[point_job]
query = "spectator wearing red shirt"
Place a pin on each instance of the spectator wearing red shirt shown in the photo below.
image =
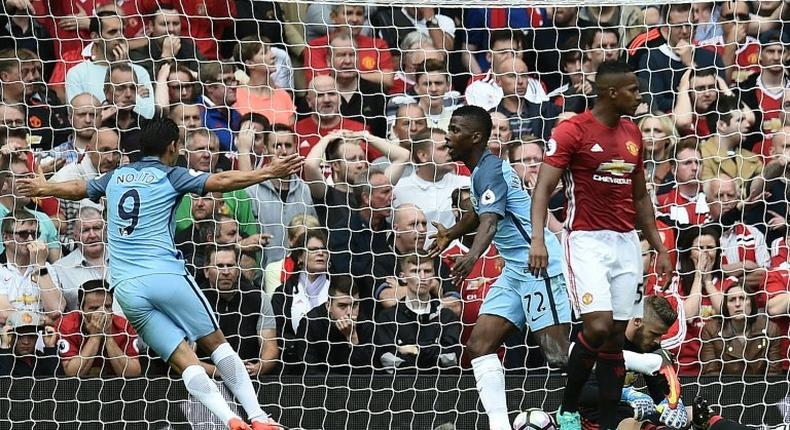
(697, 291)
(744, 252)
(374, 60)
(93, 335)
(763, 92)
(777, 289)
(324, 101)
(685, 204)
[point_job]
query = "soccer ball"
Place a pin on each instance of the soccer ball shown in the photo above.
(534, 419)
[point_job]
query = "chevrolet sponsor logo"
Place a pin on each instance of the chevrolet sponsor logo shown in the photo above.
(616, 168)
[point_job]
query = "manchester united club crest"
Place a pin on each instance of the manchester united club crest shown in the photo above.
(632, 148)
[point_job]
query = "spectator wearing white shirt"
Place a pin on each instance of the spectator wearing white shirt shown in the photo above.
(87, 262)
(101, 156)
(25, 283)
(109, 46)
(431, 185)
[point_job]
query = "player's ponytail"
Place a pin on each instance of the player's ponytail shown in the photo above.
(156, 135)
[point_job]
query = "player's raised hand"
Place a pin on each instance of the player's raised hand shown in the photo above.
(441, 240)
(283, 167)
(32, 186)
(538, 258)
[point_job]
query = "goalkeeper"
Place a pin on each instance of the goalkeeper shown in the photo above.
(662, 408)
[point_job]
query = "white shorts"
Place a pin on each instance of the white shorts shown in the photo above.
(604, 272)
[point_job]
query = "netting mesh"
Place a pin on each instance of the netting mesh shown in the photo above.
(306, 274)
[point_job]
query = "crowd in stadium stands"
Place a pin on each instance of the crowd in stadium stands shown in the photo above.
(326, 271)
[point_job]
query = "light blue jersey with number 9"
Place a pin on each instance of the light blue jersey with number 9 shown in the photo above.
(141, 201)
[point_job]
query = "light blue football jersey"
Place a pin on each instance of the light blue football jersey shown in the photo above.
(141, 202)
(496, 188)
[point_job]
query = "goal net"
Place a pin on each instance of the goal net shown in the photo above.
(321, 279)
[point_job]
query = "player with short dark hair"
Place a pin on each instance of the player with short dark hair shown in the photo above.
(517, 299)
(149, 280)
(599, 156)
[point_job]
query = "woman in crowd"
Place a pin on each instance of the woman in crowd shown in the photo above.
(305, 289)
(740, 341)
(658, 136)
(261, 94)
(696, 291)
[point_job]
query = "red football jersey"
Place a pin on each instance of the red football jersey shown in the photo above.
(309, 134)
(780, 252)
(778, 282)
(675, 198)
(372, 54)
(599, 164)
(771, 107)
(72, 338)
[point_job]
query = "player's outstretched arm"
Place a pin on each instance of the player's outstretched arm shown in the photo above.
(444, 236)
(37, 186)
(235, 180)
(548, 178)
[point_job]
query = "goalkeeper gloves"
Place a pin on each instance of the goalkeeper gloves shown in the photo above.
(673, 417)
(641, 403)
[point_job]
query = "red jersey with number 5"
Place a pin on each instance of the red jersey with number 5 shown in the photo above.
(600, 163)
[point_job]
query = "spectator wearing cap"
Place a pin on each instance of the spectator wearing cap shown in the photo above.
(373, 58)
(109, 47)
(337, 341)
(94, 341)
(219, 95)
(26, 283)
(764, 91)
(20, 354)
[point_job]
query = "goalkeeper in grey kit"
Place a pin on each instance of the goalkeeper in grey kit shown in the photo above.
(661, 408)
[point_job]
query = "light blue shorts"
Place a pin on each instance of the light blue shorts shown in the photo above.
(537, 303)
(165, 309)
